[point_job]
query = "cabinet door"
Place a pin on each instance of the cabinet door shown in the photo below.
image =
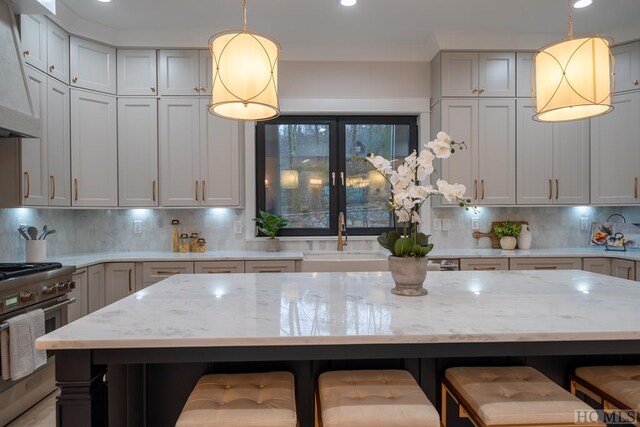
(96, 290)
(93, 65)
(94, 149)
(597, 265)
(497, 153)
(33, 39)
(270, 266)
(535, 158)
(623, 269)
(524, 61)
(153, 272)
(497, 74)
(615, 152)
(35, 173)
(80, 293)
(627, 66)
(179, 72)
(137, 72)
(460, 120)
(460, 74)
(571, 162)
(120, 279)
(484, 264)
(57, 52)
(220, 167)
(138, 152)
(180, 152)
(206, 72)
(58, 143)
(545, 263)
(219, 267)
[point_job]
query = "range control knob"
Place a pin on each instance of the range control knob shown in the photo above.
(26, 296)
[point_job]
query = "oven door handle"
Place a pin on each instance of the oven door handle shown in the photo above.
(5, 325)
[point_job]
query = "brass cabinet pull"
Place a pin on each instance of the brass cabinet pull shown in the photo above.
(218, 272)
(203, 189)
(75, 79)
(540, 267)
(203, 89)
(196, 89)
(196, 191)
(25, 53)
(153, 190)
(475, 189)
(635, 187)
(130, 289)
(557, 189)
(482, 90)
(27, 184)
(53, 186)
(167, 272)
(635, 82)
(52, 67)
(275, 270)
(629, 273)
(153, 89)
(75, 183)
(484, 268)
(550, 190)
(482, 186)
(475, 90)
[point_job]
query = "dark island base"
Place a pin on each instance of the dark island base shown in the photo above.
(148, 387)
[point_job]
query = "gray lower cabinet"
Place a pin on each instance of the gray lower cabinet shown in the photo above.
(484, 264)
(597, 265)
(96, 288)
(219, 267)
(623, 269)
(270, 266)
(546, 263)
(153, 272)
(120, 281)
(80, 293)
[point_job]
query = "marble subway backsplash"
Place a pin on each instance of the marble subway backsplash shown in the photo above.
(103, 230)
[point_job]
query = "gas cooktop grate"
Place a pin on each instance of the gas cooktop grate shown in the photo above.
(10, 270)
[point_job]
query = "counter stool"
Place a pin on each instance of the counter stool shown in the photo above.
(509, 396)
(615, 387)
(387, 398)
(241, 400)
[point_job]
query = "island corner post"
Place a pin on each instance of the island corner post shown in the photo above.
(87, 399)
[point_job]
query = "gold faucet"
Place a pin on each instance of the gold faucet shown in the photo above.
(342, 230)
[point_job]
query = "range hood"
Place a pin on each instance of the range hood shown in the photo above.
(17, 117)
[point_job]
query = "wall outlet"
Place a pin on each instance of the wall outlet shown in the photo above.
(437, 224)
(584, 224)
(237, 227)
(475, 224)
(446, 224)
(137, 227)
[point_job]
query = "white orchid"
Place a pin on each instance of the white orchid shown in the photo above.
(442, 136)
(380, 163)
(451, 192)
(442, 149)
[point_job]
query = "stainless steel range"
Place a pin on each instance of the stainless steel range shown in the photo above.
(26, 287)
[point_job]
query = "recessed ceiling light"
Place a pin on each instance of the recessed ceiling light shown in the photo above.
(579, 4)
(348, 2)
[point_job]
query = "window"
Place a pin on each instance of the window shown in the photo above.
(309, 169)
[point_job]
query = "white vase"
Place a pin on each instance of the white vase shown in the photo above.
(525, 237)
(409, 274)
(508, 242)
(35, 250)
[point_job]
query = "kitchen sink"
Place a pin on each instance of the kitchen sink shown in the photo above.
(348, 261)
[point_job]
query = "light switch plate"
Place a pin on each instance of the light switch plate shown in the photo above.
(137, 227)
(474, 224)
(584, 224)
(237, 227)
(446, 224)
(437, 224)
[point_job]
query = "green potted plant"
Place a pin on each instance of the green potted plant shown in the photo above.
(507, 233)
(269, 225)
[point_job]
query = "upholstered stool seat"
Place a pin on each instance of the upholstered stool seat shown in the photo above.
(616, 387)
(241, 400)
(501, 396)
(385, 398)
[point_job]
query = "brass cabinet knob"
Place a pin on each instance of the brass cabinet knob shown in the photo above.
(203, 89)
(25, 53)
(52, 67)
(153, 89)
(196, 89)
(635, 82)
(75, 79)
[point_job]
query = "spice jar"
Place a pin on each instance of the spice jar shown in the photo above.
(185, 243)
(201, 246)
(194, 242)
(175, 235)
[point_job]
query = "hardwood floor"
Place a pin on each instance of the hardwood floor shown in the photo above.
(42, 414)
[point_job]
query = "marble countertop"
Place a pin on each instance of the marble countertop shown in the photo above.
(358, 308)
(581, 252)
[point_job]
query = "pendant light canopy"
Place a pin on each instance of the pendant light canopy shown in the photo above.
(245, 74)
(573, 78)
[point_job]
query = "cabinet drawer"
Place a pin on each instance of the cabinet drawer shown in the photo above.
(546, 264)
(219, 267)
(597, 265)
(153, 272)
(623, 269)
(270, 266)
(489, 264)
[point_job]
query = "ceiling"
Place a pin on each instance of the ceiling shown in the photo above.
(372, 30)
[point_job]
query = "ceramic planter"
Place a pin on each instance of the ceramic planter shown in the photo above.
(525, 237)
(272, 245)
(409, 275)
(508, 242)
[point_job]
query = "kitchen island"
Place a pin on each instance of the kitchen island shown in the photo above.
(156, 343)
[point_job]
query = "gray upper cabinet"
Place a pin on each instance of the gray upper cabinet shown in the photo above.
(179, 72)
(627, 58)
(615, 152)
(206, 74)
(35, 172)
(137, 74)
(524, 64)
(473, 74)
(93, 65)
(58, 143)
(33, 35)
(57, 52)
(571, 148)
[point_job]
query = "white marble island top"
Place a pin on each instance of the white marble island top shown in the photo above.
(358, 308)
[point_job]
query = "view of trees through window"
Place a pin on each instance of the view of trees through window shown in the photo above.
(313, 170)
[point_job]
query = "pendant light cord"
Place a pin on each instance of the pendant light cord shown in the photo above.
(570, 19)
(244, 16)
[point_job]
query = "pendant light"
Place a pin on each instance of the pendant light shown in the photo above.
(245, 74)
(573, 79)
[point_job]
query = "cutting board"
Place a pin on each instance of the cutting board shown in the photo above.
(495, 241)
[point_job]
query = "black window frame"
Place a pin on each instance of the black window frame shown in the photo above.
(337, 164)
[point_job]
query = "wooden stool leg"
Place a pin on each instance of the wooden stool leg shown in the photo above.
(573, 387)
(443, 407)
